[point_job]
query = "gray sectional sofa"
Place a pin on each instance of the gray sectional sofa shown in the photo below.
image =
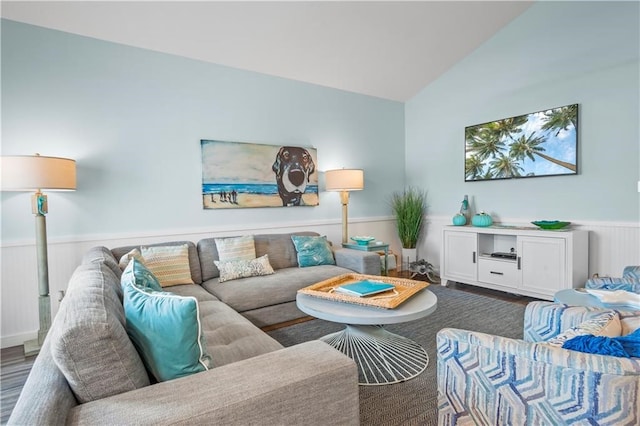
(89, 372)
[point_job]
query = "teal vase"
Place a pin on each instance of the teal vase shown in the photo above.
(459, 220)
(481, 220)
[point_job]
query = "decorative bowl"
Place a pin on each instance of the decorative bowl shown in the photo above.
(550, 224)
(363, 240)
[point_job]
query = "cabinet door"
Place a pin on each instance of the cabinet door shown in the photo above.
(543, 264)
(460, 256)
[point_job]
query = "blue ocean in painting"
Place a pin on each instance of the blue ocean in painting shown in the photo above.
(249, 188)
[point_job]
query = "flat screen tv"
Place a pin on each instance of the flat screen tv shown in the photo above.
(543, 143)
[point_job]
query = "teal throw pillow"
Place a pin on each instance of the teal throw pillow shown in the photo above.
(164, 327)
(313, 251)
(137, 273)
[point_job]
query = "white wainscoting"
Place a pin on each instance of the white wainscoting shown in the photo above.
(19, 285)
(611, 247)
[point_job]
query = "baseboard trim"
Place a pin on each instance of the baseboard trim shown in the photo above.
(17, 339)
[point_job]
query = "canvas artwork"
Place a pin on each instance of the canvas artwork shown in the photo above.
(244, 175)
(543, 143)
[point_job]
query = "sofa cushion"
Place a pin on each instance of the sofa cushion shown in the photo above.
(194, 261)
(164, 327)
(313, 251)
(250, 293)
(89, 343)
(102, 255)
(169, 264)
(236, 248)
(279, 247)
(191, 290)
(235, 269)
(230, 337)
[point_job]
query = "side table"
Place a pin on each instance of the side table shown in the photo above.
(382, 357)
(375, 246)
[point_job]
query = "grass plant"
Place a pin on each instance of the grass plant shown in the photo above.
(409, 207)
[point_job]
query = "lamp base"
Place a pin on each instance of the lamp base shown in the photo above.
(31, 347)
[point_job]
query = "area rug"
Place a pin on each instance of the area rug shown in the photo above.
(414, 402)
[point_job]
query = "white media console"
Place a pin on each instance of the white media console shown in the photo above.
(543, 262)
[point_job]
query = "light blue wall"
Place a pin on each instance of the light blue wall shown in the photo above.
(554, 54)
(133, 120)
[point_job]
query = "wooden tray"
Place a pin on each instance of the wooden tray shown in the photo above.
(404, 289)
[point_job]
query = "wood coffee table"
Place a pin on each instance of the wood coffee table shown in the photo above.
(382, 357)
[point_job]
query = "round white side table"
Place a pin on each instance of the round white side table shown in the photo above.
(382, 357)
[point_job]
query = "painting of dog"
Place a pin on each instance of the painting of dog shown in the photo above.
(293, 168)
(244, 175)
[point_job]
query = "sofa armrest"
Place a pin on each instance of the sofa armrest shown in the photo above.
(362, 262)
(490, 379)
(46, 397)
(609, 283)
(302, 384)
(545, 320)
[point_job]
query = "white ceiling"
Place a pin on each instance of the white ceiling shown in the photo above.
(387, 49)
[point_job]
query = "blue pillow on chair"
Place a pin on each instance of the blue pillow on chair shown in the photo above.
(164, 327)
(623, 346)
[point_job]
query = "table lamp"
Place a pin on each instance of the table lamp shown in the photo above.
(35, 173)
(344, 180)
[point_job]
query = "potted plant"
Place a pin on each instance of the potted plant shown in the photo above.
(409, 207)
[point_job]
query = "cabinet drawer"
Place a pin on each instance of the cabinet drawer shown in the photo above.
(500, 272)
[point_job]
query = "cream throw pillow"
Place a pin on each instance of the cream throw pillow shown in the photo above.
(236, 248)
(126, 258)
(607, 324)
(169, 264)
(243, 268)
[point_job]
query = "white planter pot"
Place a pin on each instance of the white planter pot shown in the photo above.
(408, 256)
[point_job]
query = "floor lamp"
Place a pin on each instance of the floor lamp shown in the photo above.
(35, 173)
(344, 180)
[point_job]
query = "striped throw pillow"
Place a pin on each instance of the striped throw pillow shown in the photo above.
(236, 248)
(607, 324)
(169, 264)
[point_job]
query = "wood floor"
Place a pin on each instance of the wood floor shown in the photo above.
(15, 367)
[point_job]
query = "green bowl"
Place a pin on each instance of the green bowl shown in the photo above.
(551, 224)
(363, 241)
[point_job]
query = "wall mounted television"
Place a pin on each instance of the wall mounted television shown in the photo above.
(543, 143)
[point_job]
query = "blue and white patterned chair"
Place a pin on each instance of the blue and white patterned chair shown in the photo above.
(630, 281)
(492, 380)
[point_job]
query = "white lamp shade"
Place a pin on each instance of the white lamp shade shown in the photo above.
(32, 172)
(344, 180)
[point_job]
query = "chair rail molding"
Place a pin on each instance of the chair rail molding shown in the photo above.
(612, 245)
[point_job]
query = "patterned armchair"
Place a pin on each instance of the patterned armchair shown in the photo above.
(630, 281)
(492, 380)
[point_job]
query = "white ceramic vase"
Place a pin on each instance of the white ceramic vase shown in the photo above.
(408, 255)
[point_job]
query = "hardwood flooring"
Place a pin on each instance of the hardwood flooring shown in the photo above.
(15, 367)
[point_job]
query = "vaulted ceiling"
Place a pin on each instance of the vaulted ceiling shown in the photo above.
(387, 49)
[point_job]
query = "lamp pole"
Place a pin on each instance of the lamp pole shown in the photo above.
(29, 173)
(44, 302)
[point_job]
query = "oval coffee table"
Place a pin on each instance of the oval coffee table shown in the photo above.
(382, 357)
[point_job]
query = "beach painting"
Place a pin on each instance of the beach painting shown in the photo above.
(245, 175)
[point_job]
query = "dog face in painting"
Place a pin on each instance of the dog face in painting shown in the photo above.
(292, 167)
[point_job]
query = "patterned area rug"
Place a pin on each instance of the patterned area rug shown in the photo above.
(414, 402)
